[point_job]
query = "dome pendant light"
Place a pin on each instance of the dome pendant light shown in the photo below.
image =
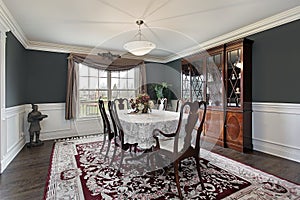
(139, 47)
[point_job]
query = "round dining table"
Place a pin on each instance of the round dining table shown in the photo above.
(138, 127)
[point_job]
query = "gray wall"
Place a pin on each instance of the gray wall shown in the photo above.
(34, 76)
(47, 77)
(276, 64)
(40, 77)
(275, 67)
(15, 72)
(169, 72)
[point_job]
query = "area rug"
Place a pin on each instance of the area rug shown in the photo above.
(79, 171)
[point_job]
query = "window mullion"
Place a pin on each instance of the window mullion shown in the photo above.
(109, 84)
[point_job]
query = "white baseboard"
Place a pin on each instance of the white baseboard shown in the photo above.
(280, 150)
(275, 129)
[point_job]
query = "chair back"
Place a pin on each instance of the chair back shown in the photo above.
(162, 104)
(179, 104)
(119, 132)
(106, 122)
(121, 104)
(101, 107)
(190, 126)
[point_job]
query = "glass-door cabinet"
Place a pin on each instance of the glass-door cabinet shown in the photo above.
(222, 76)
(193, 80)
(238, 82)
(202, 79)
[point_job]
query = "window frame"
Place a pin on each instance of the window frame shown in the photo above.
(109, 90)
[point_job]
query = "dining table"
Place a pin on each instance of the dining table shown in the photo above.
(138, 127)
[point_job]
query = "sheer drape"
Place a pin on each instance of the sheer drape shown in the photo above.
(98, 62)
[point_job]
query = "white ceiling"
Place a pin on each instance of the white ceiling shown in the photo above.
(173, 25)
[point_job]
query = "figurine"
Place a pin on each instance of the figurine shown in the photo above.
(34, 118)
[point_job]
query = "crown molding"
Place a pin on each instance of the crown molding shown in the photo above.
(60, 48)
(12, 25)
(4, 21)
(262, 25)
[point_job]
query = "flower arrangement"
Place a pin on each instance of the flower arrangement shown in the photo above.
(141, 104)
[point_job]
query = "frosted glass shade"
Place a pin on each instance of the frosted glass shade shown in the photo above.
(139, 47)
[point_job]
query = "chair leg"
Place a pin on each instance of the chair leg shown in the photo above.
(107, 150)
(176, 165)
(113, 156)
(121, 159)
(199, 171)
(103, 144)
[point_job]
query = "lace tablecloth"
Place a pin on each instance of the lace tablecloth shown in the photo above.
(139, 127)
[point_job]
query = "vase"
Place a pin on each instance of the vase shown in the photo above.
(145, 110)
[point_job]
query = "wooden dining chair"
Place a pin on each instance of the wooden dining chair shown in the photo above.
(179, 104)
(107, 131)
(121, 103)
(119, 135)
(183, 143)
(162, 104)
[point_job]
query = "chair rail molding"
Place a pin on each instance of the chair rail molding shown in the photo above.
(275, 129)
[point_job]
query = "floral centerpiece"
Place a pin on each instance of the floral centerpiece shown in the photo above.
(141, 104)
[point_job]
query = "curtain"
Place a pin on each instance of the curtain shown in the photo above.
(142, 79)
(98, 62)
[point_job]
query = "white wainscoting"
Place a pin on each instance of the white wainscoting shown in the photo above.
(53, 127)
(276, 129)
(14, 134)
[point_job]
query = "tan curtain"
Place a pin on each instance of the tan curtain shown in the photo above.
(70, 111)
(98, 62)
(142, 79)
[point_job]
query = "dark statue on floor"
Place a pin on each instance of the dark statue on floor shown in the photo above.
(34, 118)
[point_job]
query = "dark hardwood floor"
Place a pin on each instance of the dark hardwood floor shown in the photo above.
(25, 177)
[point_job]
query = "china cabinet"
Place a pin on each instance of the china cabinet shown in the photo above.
(238, 82)
(228, 118)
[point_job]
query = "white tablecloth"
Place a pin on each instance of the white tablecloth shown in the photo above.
(139, 127)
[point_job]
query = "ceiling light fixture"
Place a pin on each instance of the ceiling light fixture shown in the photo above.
(139, 47)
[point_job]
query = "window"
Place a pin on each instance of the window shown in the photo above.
(95, 84)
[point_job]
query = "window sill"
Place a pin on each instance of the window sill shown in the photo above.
(82, 119)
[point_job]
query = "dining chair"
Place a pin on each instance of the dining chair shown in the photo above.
(119, 135)
(121, 103)
(183, 143)
(162, 104)
(179, 104)
(107, 131)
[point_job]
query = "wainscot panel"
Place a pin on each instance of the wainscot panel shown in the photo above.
(53, 127)
(276, 129)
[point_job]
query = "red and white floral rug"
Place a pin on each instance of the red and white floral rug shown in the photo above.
(79, 171)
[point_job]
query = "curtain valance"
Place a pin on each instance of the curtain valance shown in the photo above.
(105, 63)
(98, 62)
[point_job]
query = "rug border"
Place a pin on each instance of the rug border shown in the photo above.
(293, 182)
(49, 172)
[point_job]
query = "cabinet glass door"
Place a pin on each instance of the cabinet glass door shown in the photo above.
(214, 80)
(193, 81)
(233, 78)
